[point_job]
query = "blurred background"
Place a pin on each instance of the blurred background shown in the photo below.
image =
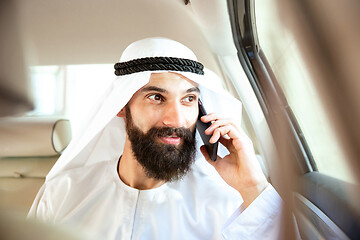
(294, 65)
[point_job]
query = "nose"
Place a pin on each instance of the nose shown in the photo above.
(174, 115)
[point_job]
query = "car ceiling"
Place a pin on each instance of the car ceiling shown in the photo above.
(95, 32)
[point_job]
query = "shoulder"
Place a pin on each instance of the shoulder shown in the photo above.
(79, 180)
(83, 173)
(67, 190)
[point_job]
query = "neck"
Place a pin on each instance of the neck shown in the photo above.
(132, 173)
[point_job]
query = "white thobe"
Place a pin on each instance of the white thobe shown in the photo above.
(200, 206)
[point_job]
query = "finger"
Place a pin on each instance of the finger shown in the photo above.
(219, 123)
(210, 117)
(227, 131)
(222, 131)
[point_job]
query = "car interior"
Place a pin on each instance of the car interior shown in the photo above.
(293, 64)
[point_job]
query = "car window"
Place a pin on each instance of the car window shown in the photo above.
(47, 85)
(70, 90)
(294, 78)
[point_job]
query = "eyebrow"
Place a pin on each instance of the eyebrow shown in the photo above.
(153, 88)
(158, 89)
(193, 89)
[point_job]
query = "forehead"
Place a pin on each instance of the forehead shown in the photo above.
(171, 82)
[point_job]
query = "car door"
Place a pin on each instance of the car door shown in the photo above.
(290, 53)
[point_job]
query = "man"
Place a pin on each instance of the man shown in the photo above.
(136, 171)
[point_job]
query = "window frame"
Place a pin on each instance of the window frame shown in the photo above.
(266, 88)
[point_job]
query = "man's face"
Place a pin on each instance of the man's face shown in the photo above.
(160, 123)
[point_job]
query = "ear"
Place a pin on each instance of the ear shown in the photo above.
(121, 113)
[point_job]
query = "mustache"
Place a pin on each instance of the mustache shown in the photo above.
(168, 131)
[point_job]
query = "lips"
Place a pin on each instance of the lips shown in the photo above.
(174, 139)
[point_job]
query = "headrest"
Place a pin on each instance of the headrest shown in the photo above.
(33, 136)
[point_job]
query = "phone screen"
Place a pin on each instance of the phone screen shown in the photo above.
(201, 126)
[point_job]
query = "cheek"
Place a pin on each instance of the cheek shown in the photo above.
(192, 118)
(145, 118)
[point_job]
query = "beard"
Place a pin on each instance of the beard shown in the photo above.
(161, 161)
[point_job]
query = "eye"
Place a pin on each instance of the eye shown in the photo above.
(156, 97)
(189, 99)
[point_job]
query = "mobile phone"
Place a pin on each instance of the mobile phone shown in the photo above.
(201, 126)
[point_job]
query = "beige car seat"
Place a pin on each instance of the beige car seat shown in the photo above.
(29, 147)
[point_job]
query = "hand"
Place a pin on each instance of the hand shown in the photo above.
(240, 169)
